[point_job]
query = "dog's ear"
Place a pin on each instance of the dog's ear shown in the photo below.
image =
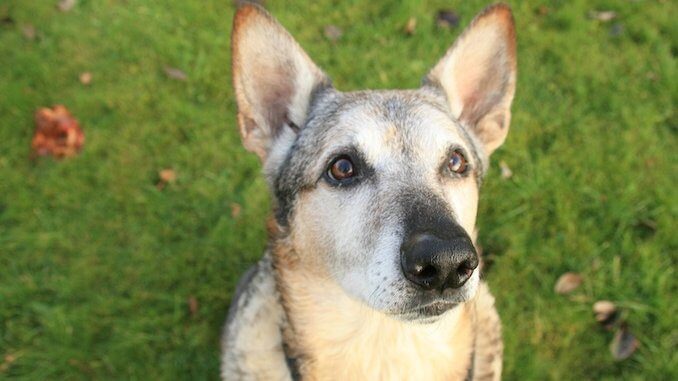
(274, 78)
(478, 75)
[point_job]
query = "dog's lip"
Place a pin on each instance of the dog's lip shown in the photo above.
(435, 308)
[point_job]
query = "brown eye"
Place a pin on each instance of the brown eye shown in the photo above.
(341, 169)
(457, 163)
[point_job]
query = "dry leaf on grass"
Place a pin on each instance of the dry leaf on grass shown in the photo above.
(7, 362)
(85, 78)
(623, 344)
(506, 172)
(333, 32)
(603, 16)
(411, 26)
(193, 305)
(606, 313)
(447, 18)
(175, 73)
(66, 5)
(57, 133)
(235, 210)
(567, 283)
(166, 176)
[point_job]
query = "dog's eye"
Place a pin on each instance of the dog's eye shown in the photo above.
(457, 163)
(341, 169)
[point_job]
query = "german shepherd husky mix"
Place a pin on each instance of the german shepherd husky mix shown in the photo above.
(371, 272)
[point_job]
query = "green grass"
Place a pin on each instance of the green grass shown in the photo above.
(97, 264)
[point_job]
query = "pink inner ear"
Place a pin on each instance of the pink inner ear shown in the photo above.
(276, 96)
(273, 78)
(478, 75)
(481, 74)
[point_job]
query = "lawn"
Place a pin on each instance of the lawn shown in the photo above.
(105, 276)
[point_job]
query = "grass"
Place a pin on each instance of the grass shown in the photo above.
(97, 264)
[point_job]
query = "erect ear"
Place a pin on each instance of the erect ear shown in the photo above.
(478, 75)
(274, 78)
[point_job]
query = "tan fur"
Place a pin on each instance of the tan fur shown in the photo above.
(488, 345)
(337, 338)
(350, 341)
(313, 298)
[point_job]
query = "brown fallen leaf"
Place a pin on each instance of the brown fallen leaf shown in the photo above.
(447, 18)
(7, 362)
(57, 133)
(506, 172)
(85, 78)
(193, 305)
(623, 344)
(333, 32)
(175, 73)
(567, 283)
(235, 210)
(66, 5)
(411, 26)
(603, 16)
(165, 176)
(606, 313)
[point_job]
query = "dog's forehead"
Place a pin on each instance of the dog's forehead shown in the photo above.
(412, 123)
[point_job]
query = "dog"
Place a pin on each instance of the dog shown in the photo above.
(371, 271)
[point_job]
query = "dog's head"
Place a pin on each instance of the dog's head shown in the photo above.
(378, 189)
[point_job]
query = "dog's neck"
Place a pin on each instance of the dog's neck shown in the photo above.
(333, 336)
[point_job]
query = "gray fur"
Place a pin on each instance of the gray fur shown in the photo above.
(255, 307)
(338, 241)
(242, 293)
(393, 106)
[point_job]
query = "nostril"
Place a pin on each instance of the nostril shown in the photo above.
(464, 271)
(427, 272)
(466, 268)
(424, 274)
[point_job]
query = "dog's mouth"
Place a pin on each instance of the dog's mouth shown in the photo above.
(436, 308)
(429, 312)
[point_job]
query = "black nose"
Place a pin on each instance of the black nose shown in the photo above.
(434, 263)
